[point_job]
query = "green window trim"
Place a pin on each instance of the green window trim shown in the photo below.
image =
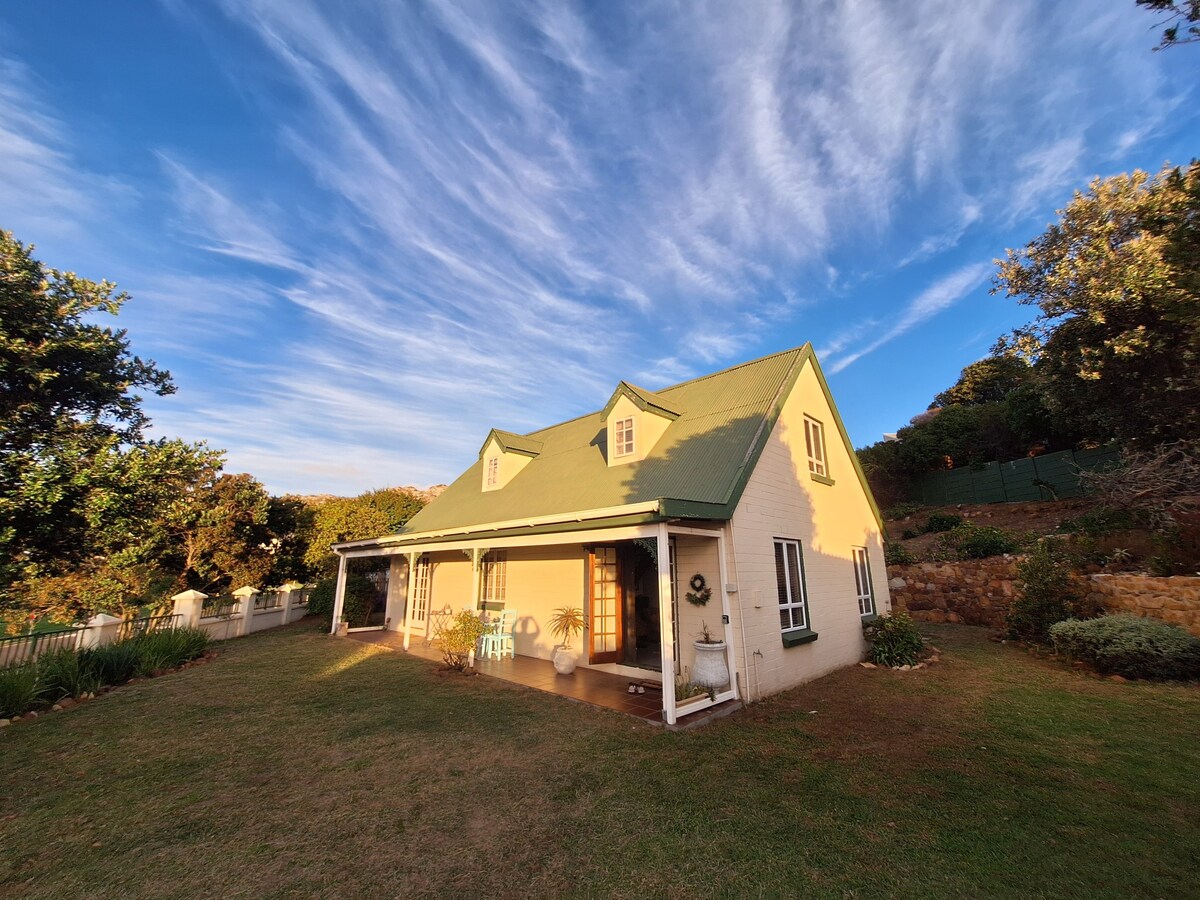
(800, 636)
(821, 479)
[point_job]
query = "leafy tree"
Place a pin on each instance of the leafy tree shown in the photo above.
(1179, 13)
(220, 530)
(1116, 345)
(290, 521)
(368, 515)
(989, 380)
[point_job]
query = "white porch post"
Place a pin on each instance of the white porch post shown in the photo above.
(339, 595)
(730, 657)
(666, 627)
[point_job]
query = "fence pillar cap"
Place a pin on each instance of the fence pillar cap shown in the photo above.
(246, 591)
(290, 586)
(190, 595)
(104, 619)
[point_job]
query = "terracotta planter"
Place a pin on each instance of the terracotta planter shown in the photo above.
(710, 669)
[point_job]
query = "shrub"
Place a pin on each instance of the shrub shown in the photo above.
(981, 541)
(67, 673)
(1046, 595)
(894, 640)
(114, 663)
(320, 601)
(20, 689)
(901, 511)
(940, 522)
(1129, 646)
(897, 555)
(459, 638)
(908, 534)
(168, 649)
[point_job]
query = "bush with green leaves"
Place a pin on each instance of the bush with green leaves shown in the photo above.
(897, 555)
(67, 673)
(21, 688)
(459, 638)
(981, 541)
(1129, 646)
(894, 640)
(356, 605)
(320, 600)
(1045, 596)
(939, 522)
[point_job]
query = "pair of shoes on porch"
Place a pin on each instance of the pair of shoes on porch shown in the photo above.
(636, 688)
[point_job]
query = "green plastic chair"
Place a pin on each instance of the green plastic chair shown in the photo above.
(498, 639)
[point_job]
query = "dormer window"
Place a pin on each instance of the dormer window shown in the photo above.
(623, 444)
(493, 470)
(503, 456)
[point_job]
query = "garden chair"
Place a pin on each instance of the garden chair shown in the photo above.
(498, 639)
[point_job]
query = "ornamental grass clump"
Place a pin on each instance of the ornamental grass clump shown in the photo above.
(67, 673)
(894, 640)
(114, 663)
(21, 688)
(1129, 646)
(163, 650)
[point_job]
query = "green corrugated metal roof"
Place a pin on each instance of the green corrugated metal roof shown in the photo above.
(702, 457)
(517, 443)
(642, 399)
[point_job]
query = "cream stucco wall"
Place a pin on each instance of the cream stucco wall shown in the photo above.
(782, 500)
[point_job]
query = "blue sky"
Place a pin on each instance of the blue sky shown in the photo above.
(361, 234)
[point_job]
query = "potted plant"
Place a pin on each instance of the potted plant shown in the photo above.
(565, 623)
(711, 670)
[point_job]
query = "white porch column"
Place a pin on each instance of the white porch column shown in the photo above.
(339, 594)
(476, 554)
(408, 594)
(730, 657)
(666, 627)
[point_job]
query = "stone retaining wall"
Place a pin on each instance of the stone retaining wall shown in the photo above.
(979, 592)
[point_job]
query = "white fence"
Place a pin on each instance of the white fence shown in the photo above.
(246, 611)
(98, 630)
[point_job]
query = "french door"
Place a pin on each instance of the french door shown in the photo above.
(604, 606)
(419, 591)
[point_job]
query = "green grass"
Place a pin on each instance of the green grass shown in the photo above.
(297, 765)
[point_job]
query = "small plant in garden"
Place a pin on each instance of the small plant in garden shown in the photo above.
(1129, 646)
(114, 663)
(901, 511)
(167, 649)
(909, 533)
(894, 640)
(21, 688)
(1045, 596)
(897, 555)
(939, 522)
(685, 689)
(459, 638)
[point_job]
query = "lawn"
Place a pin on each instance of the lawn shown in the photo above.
(300, 765)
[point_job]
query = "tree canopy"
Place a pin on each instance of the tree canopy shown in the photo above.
(1183, 14)
(1116, 343)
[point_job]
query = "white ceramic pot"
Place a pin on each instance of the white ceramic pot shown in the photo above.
(710, 669)
(565, 660)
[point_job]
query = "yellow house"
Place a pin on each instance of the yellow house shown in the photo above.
(732, 501)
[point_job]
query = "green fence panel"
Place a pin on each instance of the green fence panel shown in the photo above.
(1055, 475)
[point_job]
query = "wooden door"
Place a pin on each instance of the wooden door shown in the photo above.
(604, 606)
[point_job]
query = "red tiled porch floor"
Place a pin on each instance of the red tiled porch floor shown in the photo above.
(586, 685)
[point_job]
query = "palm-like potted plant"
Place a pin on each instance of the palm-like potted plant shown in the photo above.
(565, 623)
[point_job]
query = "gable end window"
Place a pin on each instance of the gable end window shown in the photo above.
(623, 443)
(789, 579)
(862, 581)
(493, 470)
(814, 444)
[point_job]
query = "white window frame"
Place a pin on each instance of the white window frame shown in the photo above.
(793, 585)
(495, 576)
(863, 587)
(493, 471)
(814, 436)
(623, 436)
